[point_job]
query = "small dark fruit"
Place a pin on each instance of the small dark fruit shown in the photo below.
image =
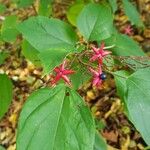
(103, 76)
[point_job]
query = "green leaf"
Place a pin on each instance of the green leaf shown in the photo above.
(2, 8)
(73, 12)
(97, 25)
(120, 79)
(30, 53)
(24, 3)
(5, 94)
(80, 76)
(113, 4)
(79, 1)
(56, 119)
(133, 15)
(124, 46)
(99, 124)
(44, 33)
(1, 39)
(2, 148)
(138, 101)
(8, 30)
(52, 58)
(3, 56)
(45, 8)
(100, 143)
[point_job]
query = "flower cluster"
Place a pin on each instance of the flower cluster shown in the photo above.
(128, 30)
(62, 73)
(98, 55)
(98, 76)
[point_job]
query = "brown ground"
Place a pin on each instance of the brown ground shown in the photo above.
(104, 102)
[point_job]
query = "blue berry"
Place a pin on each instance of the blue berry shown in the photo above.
(103, 76)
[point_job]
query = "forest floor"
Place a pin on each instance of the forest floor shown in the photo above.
(104, 102)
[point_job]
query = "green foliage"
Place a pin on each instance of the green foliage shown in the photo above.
(80, 76)
(114, 5)
(120, 79)
(124, 46)
(134, 89)
(100, 143)
(73, 12)
(5, 94)
(98, 25)
(2, 148)
(30, 53)
(138, 101)
(44, 33)
(3, 56)
(8, 30)
(55, 118)
(52, 58)
(45, 8)
(2, 8)
(24, 3)
(132, 13)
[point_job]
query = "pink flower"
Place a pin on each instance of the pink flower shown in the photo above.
(100, 53)
(96, 76)
(128, 30)
(61, 73)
